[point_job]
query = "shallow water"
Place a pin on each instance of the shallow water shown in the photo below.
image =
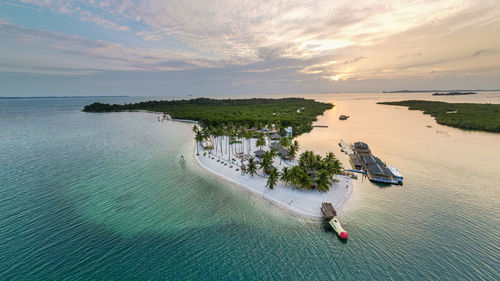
(102, 196)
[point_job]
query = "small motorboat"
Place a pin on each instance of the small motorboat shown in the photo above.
(182, 161)
(338, 228)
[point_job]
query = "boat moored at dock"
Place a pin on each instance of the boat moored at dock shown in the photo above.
(396, 173)
(338, 228)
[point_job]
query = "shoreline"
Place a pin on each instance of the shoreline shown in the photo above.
(301, 202)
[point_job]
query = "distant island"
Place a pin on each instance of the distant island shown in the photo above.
(468, 116)
(298, 113)
(454, 94)
(60, 97)
(436, 91)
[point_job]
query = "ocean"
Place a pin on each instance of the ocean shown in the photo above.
(102, 196)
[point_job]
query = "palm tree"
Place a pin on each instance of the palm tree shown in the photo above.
(277, 126)
(195, 128)
(332, 165)
(330, 157)
(285, 142)
(273, 152)
(252, 167)
(307, 160)
(273, 178)
(285, 175)
(305, 181)
(260, 141)
(294, 148)
(323, 181)
(295, 175)
(267, 161)
(198, 137)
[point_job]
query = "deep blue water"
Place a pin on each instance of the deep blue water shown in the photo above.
(88, 196)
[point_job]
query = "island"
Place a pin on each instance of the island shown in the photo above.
(298, 113)
(468, 116)
(437, 91)
(454, 94)
(250, 142)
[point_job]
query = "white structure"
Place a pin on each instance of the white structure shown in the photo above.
(289, 132)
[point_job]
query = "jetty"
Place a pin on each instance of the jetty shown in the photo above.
(364, 162)
(345, 147)
(328, 211)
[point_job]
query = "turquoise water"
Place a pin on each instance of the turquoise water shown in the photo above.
(102, 197)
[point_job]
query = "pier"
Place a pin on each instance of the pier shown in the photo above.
(328, 211)
(363, 161)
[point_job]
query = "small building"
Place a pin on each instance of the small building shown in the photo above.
(269, 169)
(355, 161)
(380, 173)
(369, 160)
(265, 130)
(275, 145)
(289, 132)
(282, 152)
(275, 136)
(361, 149)
(259, 153)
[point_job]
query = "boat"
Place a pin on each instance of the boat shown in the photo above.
(343, 117)
(334, 222)
(396, 173)
(182, 161)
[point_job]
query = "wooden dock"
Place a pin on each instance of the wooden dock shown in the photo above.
(328, 211)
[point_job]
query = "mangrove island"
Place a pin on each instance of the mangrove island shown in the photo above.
(468, 116)
(298, 113)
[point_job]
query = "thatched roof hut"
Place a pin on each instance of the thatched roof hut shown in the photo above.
(275, 136)
(259, 153)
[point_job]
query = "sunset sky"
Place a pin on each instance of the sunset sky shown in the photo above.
(161, 47)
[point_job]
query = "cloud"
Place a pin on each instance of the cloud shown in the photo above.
(79, 9)
(295, 40)
(480, 52)
(354, 60)
(90, 55)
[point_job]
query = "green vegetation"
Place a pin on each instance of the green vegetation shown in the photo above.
(252, 167)
(313, 171)
(296, 112)
(273, 178)
(468, 116)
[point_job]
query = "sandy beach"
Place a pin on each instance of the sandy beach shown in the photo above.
(302, 202)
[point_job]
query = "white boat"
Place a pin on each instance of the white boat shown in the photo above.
(338, 228)
(397, 175)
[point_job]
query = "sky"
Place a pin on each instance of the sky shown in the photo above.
(162, 47)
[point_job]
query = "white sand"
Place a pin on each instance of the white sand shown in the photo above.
(300, 201)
